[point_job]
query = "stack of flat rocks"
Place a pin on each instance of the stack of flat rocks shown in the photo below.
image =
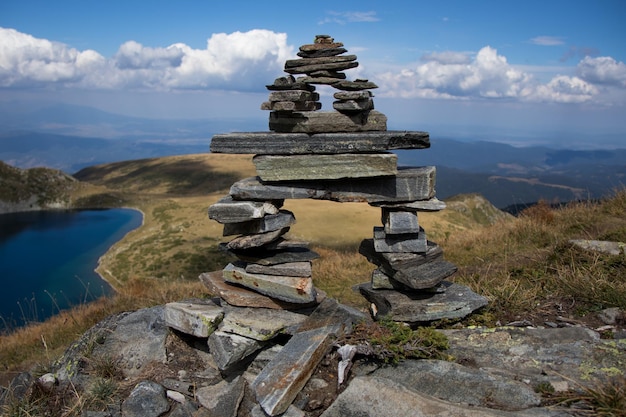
(341, 155)
(294, 103)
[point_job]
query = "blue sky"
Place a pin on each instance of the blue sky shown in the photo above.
(526, 72)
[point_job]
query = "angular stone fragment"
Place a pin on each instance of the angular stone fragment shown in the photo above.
(196, 319)
(222, 399)
(256, 240)
(381, 281)
(268, 223)
(228, 210)
(310, 167)
(399, 261)
(432, 204)
(412, 243)
(355, 85)
(334, 66)
(424, 276)
(147, 399)
(291, 105)
(294, 63)
(348, 106)
(293, 95)
(275, 253)
(320, 46)
(353, 95)
(456, 302)
(408, 185)
(243, 297)
(260, 323)
(284, 376)
(326, 122)
(398, 222)
(321, 52)
(291, 269)
(269, 143)
(289, 83)
(228, 349)
(291, 289)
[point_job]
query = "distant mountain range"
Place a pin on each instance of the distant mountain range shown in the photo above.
(70, 138)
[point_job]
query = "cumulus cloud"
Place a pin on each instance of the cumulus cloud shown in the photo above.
(239, 60)
(602, 70)
(488, 75)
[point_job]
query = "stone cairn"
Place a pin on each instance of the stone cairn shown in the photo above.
(341, 155)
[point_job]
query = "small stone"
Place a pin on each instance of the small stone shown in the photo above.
(256, 240)
(355, 85)
(398, 222)
(292, 269)
(348, 106)
(147, 399)
(260, 324)
(227, 210)
(222, 399)
(268, 223)
(353, 95)
(399, 243)
(196, 319)
(229, 349)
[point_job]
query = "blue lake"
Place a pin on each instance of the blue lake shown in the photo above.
(47, 260)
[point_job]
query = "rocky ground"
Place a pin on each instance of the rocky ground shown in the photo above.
(134, 364)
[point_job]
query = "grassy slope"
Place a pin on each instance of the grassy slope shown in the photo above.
(520, 264)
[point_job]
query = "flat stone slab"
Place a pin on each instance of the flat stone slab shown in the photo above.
(256, 240)
(456, 302)
(410, 184)
(243, 297)
(290, 289)
(325, 167)
(399, 261)
(432, 204)
(196, 319)
(275, 253)
(326, 122)
(423, 276)
(260, 324)
(291, 269)
(269, 143)
(267, 223)
(227, 210)
(399, 243)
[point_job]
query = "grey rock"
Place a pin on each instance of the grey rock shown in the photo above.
(409, 184)
(289, 83)
(355, 85)
(230, 349)
(331, 66)
(432, 204)
(289, 106)
(260, 323)
(309, 61)
(456, 302)
(327, 122)
(291, 269)
(611, 315)
(424, 276)
(268, 223)
(147, 399)
(193, 318)
(290, 289)
(399, 221)
(381, 281)
(353, 95)
(322, 52)
(137, 341)
(391, 262)
(293, 95)
(327, 143)
(185, 409)
(398, 243)
(228, 210)
(348, 106)
(459, 384)
(611, 248)
(284, 376)
(18, 388)
(276, 253)
(292, 411)
(222, 399)
(243, 297)
(256, 240)
(324, 167)
(370, 396)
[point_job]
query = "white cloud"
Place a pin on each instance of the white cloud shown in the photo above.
(349, 17)
(488, 75)
(238, 61)
(602, 70)
(547, 40)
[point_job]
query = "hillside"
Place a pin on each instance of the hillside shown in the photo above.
(34, 189)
